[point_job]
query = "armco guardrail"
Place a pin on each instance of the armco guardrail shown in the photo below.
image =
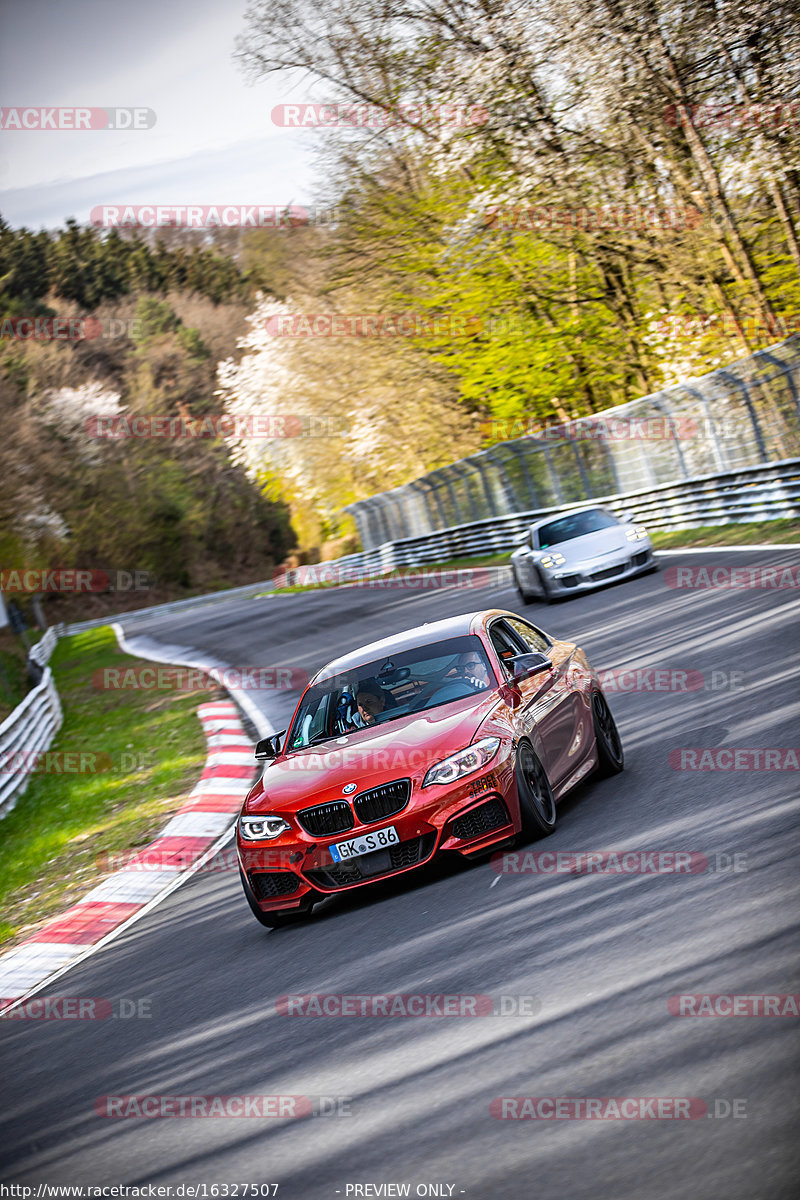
(40, 653)
(756, 493)
(745, 415)
(28, 731)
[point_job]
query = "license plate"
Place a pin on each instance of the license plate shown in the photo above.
(377, 839)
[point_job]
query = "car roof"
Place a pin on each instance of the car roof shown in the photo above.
(410, 639)
(573, 512)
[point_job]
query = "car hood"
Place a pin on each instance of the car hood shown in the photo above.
(592, 545)
(367, 757)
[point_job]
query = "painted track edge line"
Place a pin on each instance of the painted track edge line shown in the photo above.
(264, 728)
(731, 549)
(168, 889)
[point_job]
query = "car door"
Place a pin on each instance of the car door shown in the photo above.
(537, 713)
(570, 727)
(559, 711)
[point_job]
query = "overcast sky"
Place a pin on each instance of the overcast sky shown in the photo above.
(213, 141)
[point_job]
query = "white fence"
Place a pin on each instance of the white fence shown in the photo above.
(40, 653)
(27, 732)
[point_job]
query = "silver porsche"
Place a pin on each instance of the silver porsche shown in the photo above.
(578, 551)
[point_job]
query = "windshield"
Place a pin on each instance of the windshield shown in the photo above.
(389, 688)
(576, 525)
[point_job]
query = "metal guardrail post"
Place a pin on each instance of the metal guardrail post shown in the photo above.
(676, 441)
(554, 478)
(787, 372)
(463, 468)
(510, 497)
(419, 487)
(482, 472)
(587, 487)
(740, 383)
(518, 450)
(711, 426)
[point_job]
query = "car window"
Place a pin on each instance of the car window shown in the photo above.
(535, 641)
(506, 642)
(408, 682)
(573, 526)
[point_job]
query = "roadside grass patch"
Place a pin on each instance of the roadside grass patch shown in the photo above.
(53, 842)
(746, 533)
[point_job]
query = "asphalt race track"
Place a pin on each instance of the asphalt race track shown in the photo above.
(594, 957)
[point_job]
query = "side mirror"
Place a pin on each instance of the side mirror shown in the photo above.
(270, 747)
(626, 519)
(524, 665)
(511, 694)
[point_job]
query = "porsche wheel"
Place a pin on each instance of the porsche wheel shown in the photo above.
(277, 919)
(524, 596)
(609, 744)
(537, 805)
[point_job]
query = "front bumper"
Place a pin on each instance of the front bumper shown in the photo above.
(623, 566)
(467, 817)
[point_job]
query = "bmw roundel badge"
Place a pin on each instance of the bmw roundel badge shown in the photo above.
(349, 787)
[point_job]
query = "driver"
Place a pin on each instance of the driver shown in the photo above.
(474, 671)
(370, 702)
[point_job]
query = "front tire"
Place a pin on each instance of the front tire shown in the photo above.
(276, 919)
(547, 596)
(610, 755)
(524, 596)
(537, 805)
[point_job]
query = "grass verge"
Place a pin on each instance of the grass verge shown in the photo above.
(50, 843)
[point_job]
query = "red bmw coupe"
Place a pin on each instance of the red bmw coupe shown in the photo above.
(458, 735)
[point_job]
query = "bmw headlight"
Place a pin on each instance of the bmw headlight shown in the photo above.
(262, 828)
(553, 560)
(470, 759)
(636, 533)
